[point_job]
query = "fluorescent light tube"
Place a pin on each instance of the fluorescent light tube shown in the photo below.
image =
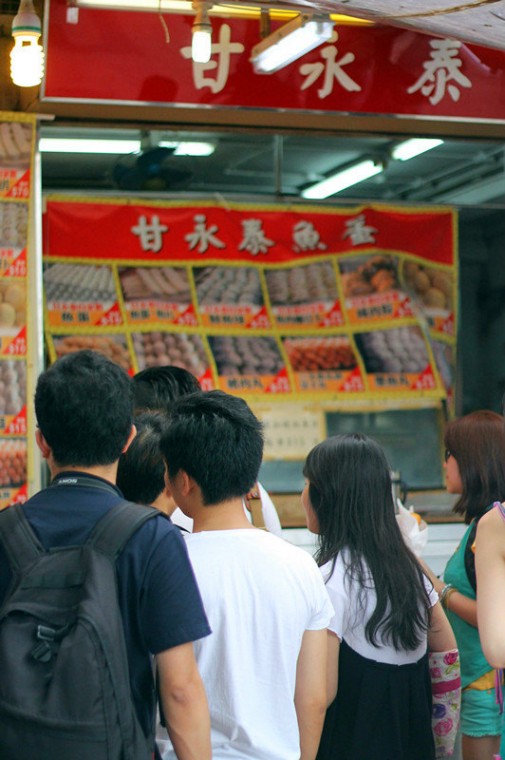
(71, 145)
(290, 42)
(408, 149)
(189, 148)
(339, 181)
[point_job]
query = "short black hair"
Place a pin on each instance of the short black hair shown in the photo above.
(158, 387)
(217, 440)
(84, 409)
(141, 469)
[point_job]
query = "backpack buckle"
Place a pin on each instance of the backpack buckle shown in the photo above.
(44, 633)
(43, 652)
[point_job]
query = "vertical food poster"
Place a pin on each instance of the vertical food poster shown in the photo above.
(275, 303)
(17, 142)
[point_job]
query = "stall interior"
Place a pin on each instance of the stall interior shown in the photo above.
(282, 168)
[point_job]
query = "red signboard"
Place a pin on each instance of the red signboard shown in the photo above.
(123, 57)
(177, 232)
(266, 300)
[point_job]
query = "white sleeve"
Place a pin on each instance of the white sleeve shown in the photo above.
(431, 591)
(321, 606)
(270, 516)
(338, 596)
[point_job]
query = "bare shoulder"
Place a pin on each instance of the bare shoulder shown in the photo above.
(491, 529)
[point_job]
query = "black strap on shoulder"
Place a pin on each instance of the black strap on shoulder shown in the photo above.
(469, 557)
(20, 542)
(112, 532)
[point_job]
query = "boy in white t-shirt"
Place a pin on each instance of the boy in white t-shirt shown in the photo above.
(155, 389)
(264, 664)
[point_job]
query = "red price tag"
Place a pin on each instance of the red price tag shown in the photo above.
(112, 318)
(17, 347)
(280, 384)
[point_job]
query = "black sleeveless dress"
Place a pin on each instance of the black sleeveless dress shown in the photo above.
(381, 711)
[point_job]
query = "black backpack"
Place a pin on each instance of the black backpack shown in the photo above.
(64, 677)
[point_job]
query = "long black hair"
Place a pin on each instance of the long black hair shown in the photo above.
(350, 493)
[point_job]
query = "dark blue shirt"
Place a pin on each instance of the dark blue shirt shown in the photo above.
(158, 596)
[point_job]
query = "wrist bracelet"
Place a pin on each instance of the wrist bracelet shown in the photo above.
(447, 590)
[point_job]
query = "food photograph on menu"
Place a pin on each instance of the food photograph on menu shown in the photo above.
(243, 355)
(13, 224)
(12, 386)
(302, 284)
(156, 348)
(15, 144)
(112, 346)
(368, 275)
(228, 285)
(12, 462)
(313, 354)
(432, 287)
(169, 284)
(12, 305)
(79, 283)
(399, 350)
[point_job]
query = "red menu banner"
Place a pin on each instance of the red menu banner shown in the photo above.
(281, 302)
(17, 139)
(362, 70)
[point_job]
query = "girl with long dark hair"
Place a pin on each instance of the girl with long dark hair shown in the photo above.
(475, 470)
(386, 611)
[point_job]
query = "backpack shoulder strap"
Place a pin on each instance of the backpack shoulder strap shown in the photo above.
(112, 532)
(19, 541)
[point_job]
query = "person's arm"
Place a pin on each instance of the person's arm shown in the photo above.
(184, 703)
(456, 602)
(310, 691)
(462, 606)
(490, 566)
(440, 635)
(332, 668)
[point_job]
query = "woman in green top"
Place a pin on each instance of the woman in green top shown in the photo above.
(474, 468)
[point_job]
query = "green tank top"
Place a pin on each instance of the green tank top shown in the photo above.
(473, 663)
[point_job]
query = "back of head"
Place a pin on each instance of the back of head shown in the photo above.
(158, 387)
(84, 409)
(141, 469)
(218, 441)
(477, 442)
(350, 492)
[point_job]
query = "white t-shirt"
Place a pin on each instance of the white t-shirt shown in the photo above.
(260, 594)
(348, 621)
(270, 516)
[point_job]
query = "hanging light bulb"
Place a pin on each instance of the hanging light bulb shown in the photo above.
(27, 56)
(201, 47)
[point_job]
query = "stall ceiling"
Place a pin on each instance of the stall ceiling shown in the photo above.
(481, 22)
(459, 171)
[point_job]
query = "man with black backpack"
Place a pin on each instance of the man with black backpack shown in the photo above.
(90, 587)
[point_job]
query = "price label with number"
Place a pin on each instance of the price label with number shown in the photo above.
(13, 345)
(15, 183)
(83, 314)
(12, 262)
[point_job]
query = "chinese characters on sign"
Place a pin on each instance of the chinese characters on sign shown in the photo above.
(413, 74)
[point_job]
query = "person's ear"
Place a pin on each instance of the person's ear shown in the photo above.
(182, 483)
(133, 433)
(43, 445)
(186, 483)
